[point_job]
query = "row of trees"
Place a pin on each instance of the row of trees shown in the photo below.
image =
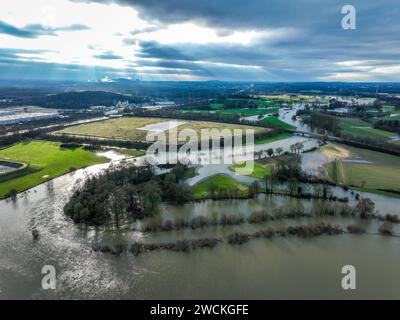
(388, 125)
(295, 148)
(325, 122)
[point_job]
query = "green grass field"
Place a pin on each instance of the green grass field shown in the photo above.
(216, 106)
(382, 173)
(260, 170)
(366, 177)
(201, 189)
(190, 173)
(47, 161)
(278, 122)
(277, 137)
(358, 127)
(259, 102)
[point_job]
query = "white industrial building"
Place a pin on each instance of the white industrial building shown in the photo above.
(15, 118)
(6, 113)
(111, 113)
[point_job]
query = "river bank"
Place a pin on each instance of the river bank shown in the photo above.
(280, 267)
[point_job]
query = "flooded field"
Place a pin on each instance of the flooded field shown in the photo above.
(278, 268)
(281, 267)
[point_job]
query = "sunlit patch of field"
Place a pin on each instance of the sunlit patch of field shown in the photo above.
(220, 181)
(276, 121)
(46, 161)
(363, 169)
(260, 171)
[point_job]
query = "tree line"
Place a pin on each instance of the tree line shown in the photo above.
(388, 125)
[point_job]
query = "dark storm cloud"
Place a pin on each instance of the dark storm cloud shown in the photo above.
(259, 14)
(319, 44)
(308, 42)
(37, 30)
(152, 49)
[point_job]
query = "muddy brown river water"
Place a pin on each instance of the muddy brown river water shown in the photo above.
(260, 269)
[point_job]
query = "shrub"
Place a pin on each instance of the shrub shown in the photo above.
(356, 229)
(238, 238)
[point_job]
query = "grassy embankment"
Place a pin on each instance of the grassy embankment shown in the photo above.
(276, 121)
(221, 181)
(46, 161)
(380, 175)
(261, 168)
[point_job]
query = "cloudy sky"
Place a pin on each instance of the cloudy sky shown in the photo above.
(252, 40)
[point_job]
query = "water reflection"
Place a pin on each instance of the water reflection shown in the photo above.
(278, 268)
(262, 269)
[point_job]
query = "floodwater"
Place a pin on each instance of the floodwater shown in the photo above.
(8, 166)
(288, 116)
(260, 269)
(221, 166)
(162, 126)
(4, 169)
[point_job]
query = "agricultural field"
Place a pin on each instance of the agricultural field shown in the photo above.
(137, 128)
(46, 161)
(278, 122)
(220, 181)
(216, 106)
(358, 127)
(242, 107)
(276, 137)
(366, 170)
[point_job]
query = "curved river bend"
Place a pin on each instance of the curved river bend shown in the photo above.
(260, 269)
(278, 268)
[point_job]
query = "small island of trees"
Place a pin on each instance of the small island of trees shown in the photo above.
(125, 193)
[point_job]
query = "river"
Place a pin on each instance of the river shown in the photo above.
(261, 269)
(279, 268)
